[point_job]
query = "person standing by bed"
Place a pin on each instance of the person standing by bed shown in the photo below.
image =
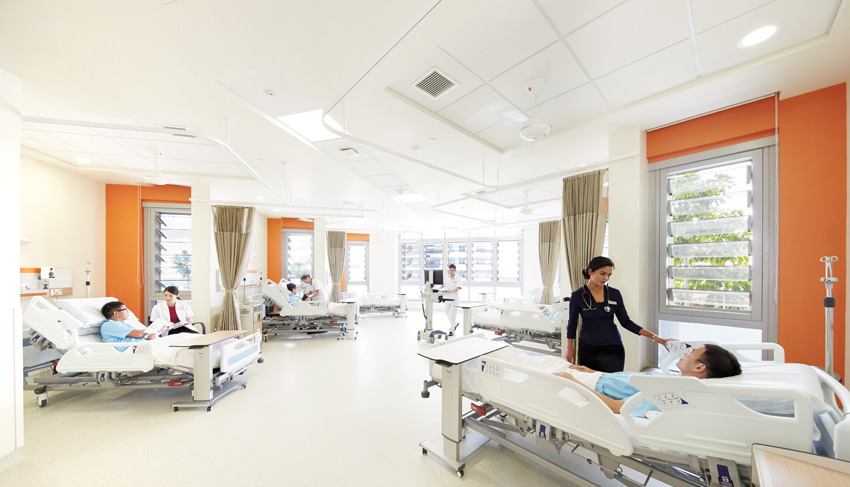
(175, 311)
(315, 289)
(452, 286)
(600, 346)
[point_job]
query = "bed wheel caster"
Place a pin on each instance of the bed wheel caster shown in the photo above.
(176, 409)
(244, 385)
(425, 394)
(459, 474)
(424, 451)
(260, 360)
(209, 408)
(41, 400)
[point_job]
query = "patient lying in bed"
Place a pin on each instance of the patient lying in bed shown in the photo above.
(709, 361)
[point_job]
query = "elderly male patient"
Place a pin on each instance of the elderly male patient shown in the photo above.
(116, 328)
(707, 362)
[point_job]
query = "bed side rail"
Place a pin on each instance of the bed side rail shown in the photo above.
(559, 402)
(699, 418)
(833, 392)
(106, 357)
(526, 320)
(241, 352)
(521, 304)
(56, 325)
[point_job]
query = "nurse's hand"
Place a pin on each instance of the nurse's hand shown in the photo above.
(571, 355)
(663, 341)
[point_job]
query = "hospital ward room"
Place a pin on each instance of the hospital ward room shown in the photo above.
(425, 243)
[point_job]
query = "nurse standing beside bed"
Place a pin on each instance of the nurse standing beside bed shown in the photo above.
(174, 311)
(600, 345)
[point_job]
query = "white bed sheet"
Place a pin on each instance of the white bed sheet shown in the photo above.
(164, 355)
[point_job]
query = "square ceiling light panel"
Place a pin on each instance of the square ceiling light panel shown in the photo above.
(309, 125)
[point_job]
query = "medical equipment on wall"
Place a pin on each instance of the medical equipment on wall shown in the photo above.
(88, 279)
(829, 305)
(704, 431)
(72, 328)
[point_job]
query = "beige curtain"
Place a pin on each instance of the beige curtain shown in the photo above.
(232, 231)
(336, 262)
(583, 224)
(549, 246)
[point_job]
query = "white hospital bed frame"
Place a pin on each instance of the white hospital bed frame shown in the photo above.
(86, 366)
(521, 320)
(381, 303)
(686, 445)
(308, 317)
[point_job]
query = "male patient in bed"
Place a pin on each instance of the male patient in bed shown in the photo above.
(710, 361)
(116, 328)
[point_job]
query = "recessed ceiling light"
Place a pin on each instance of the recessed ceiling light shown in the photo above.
(276, 210)
(270, 92)
(432, 140)
(416, 148)
(757, 36)
(351, 153)
(258, 197)
(309, 125)
(82, 160)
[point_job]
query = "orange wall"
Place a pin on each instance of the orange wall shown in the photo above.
(357, 237)
(273, 243)
(124, 236)
(812, 201)
(751, 121)
(812, 220)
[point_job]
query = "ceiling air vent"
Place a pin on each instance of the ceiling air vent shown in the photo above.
(174, 127)
(435, 84)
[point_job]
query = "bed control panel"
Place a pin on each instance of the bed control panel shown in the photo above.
(490, 368)
(670, 399)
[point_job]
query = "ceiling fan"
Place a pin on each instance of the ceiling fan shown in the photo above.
(156, 177)
(526, 210)
(536, 129)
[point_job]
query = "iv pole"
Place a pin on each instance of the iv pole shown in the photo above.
(829, 304)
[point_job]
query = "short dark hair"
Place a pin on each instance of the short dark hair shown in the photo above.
(305, 276)
(596, 263)
(109, 308)
(290, 286)
(719, 362)
(452, 266)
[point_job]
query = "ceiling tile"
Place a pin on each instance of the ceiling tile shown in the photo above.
(631, 31)
(505, 134)
(653, 74)
(386, 180)
(709, 13)
(173, 165)
(555, 64)
(372, 167)
(35, 139)
(137, 163)
(69, 158)
(573, 107)
(500, 36)
(465, 80)
(95, 144)
(59, 128)
(226, 169)
(334, 146)
(252, 86)
(177, 149)
(480, 109)
(797, 21)
(569, 16)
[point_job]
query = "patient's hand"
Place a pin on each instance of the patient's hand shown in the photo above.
(150, 336)
(582, 368)
(565, 375)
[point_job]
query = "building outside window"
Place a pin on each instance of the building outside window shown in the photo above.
(297, 258)
(168, 252)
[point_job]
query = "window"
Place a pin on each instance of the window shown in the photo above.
(714, 240)
(357, 268)
(486, 266)
(168, 251)
(297, 258)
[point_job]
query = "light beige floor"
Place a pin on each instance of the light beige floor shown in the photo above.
(318, 412)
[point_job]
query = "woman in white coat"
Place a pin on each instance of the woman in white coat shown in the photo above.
(174, 311)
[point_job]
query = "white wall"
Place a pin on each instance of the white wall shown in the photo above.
(847, 241)
(204, 262)
(11, 364)
(628, 236)
(383, 263)
(531, 277)
(63, 214)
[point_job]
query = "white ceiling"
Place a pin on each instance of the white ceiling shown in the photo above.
(101, 80)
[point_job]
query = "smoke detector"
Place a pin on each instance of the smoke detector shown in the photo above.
(537, 129)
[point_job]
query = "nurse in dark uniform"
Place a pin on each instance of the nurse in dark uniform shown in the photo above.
(600, 346)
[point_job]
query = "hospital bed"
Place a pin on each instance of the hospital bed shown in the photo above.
(517, 320)
(308, 317)
(382, 303)
(703, 435)
(207, 364)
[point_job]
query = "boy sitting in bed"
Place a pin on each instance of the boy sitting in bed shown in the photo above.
(293, 293)
(116, 328)
(707, 362)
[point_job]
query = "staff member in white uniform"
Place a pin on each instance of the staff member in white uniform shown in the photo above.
(174, 311)
(315, 289)
(452, 285)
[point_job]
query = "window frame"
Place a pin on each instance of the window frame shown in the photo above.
(764, 242)
(284, 264)
(150, 210)
(348, 281)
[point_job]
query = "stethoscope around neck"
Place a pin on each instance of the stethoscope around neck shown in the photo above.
(590, 304)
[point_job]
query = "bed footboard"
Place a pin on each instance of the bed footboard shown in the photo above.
(105, 357)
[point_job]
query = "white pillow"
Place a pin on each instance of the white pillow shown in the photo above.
(87, 310)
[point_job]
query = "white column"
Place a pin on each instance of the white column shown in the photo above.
(320, 253)
(627, 234)
(204, 261)
(11, 338)
(384, 273)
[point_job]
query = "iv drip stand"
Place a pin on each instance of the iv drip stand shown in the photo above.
(829, 304)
